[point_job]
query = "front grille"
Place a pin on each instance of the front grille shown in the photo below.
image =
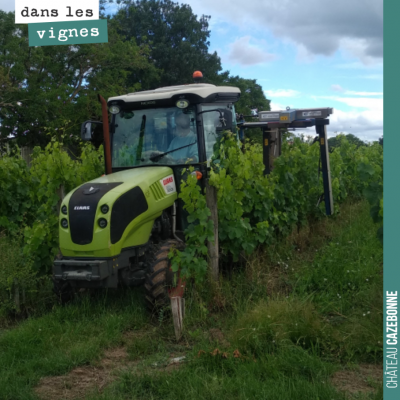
(157, 191)
(82, 210)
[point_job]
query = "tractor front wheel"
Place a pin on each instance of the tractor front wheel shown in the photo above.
(160, 276)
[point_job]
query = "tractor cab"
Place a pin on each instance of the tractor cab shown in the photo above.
(171, 126)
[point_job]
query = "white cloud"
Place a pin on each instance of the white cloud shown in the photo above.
(303, 54)
(375, 105)
(351, 92)
(244, 53)
(365, 120)
(358, 48)
(367, 125)
(321, 27)
(337, 88)
(281, 93)
(279, 106)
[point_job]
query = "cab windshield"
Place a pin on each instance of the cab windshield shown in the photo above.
(155, 137)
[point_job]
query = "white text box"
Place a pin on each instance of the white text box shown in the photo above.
(31, 11)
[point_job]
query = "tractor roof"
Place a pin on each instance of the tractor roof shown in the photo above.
(196, 93)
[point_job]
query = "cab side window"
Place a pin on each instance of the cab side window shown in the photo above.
(211, 121)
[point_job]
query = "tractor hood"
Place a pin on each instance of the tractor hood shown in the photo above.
(136, 176)
(113, 212)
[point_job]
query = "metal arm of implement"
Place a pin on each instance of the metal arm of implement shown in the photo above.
(300, 118)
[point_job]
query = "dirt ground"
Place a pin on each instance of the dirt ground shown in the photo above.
(77, 383)
(365, 379)
(93, 378)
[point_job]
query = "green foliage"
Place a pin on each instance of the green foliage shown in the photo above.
(17, 277)
(29, 197)
(252, 95)
(370, 171)
(244, 195)
(45, 86)
(335, 141)
(173, 34)
(15, 187)
(148, 39)
(200, 230)
(52, 171)
(254, 209)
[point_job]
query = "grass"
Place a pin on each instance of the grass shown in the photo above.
(211, 377)
(17, 278)
(296, 313)
(63, 339)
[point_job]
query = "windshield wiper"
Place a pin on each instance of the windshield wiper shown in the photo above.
(158, 157)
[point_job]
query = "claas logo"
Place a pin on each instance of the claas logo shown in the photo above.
(168, 180)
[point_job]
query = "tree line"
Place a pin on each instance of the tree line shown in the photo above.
(151, 44)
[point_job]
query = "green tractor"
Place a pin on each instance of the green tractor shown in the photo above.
(117, 230)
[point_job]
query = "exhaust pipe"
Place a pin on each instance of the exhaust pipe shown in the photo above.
(106, 133)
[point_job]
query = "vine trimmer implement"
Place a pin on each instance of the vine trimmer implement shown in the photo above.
(274, 123)
(118, 229)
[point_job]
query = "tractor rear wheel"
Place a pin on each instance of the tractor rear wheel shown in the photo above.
(160, 276)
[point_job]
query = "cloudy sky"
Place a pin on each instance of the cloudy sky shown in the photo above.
(309, 53)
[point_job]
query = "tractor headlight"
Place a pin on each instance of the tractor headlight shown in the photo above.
(114, 109)
(64, 210)
(182, 103)
(64, 223)
(102, 223)
(104, 208)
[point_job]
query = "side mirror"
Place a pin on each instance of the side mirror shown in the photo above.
(225, 120)
(87, 129)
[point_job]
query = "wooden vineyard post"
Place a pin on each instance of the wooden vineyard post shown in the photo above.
(275, 147)
(175, 295)
(211, 200)
(178, 312)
